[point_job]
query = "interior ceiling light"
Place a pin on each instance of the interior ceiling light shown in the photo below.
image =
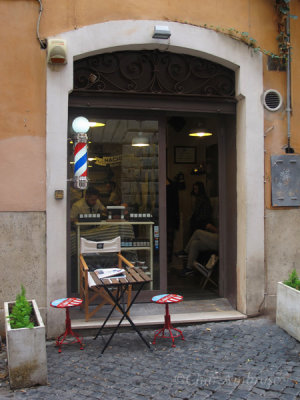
(200, 131)
(95, 124)
(140, 140)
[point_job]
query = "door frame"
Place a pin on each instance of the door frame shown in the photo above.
(227, 264)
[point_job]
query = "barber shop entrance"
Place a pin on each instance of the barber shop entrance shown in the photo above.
(161, 168)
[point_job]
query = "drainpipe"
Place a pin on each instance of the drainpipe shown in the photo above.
(289, 149)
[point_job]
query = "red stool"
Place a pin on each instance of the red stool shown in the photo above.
(66, 303)
(166, 299)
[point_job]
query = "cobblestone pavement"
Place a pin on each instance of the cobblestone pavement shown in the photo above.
(248, 359)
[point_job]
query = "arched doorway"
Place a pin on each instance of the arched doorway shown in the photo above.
(163, 94)
(248, 148)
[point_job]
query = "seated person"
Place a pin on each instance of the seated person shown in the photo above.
(201, 240)
(90, 204)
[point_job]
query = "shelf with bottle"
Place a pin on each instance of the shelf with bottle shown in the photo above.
(141, 242)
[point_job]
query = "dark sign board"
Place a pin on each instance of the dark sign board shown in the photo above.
(285, 171)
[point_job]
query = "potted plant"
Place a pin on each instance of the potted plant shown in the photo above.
(288, 305)
(25, 343)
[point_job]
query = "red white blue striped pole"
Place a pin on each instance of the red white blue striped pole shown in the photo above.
(80, 126)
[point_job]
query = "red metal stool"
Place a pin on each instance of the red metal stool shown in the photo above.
(66, 303)
(166, 299)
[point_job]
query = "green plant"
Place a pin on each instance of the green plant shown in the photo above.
(293, 280)
(21, 312)
(282, 8)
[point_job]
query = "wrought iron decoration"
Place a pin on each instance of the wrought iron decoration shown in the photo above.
(153, 72)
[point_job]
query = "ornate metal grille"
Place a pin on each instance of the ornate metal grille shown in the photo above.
(153, 72)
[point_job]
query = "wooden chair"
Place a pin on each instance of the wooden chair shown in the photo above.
(89, 292)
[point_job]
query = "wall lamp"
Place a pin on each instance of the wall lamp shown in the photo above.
(161, 32)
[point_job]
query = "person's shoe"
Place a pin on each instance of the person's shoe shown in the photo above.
(181, 254)
(212, 261)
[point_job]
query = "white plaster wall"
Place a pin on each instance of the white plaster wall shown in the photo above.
(56, 153)
(134, 35)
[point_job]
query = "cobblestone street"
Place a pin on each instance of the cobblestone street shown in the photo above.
(247, 359)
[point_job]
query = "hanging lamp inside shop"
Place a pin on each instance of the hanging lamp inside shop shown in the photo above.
(140, 140)
(95, 124)
(200, 130)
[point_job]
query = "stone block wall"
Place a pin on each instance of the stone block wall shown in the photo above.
(22, 258)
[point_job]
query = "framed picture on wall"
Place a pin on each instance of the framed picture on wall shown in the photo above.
(185, 154)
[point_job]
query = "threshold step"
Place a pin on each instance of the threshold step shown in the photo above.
(141, 320)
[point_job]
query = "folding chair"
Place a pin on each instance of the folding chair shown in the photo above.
(89, 292)
(206, 267)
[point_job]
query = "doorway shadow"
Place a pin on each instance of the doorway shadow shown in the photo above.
(188, 286)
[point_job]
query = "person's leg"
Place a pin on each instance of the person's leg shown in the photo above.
(195, 236)
(183, 253)
(203, 241)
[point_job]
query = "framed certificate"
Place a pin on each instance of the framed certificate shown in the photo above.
(185, 154)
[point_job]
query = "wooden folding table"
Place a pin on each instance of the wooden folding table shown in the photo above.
(134, 277)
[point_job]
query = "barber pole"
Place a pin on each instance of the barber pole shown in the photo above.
(80, 126)
(80, 167)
